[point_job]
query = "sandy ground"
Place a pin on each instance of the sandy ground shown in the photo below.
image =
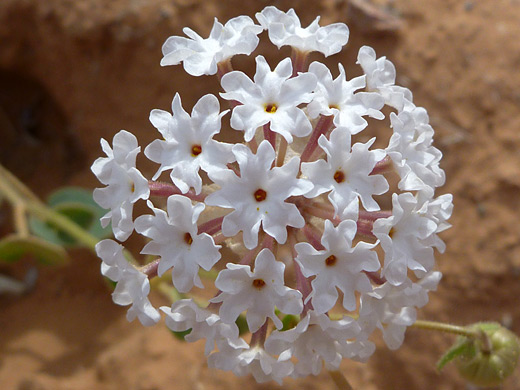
(72, 72)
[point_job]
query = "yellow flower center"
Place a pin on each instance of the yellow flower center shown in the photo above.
(270, 108)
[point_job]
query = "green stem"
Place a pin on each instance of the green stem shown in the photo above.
(22, 200)
(446, 328)
(64, 224)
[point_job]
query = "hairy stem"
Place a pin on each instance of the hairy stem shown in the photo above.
(446, 328)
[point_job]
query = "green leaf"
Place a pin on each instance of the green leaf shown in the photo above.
(77, 205)
(290, 321)
(181, 335)
(462, 347)
(13, 247)
(242, 325)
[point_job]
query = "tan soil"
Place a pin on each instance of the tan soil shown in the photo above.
(72, 72)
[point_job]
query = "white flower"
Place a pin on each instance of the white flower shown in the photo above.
(188, 142)
(272, 98)
(346, 173)
(175, 239)
(337, 97)
(392, 308)
(132, 286)
(258, 195)
(314, 341)
(258, 292)
(285, 29)
(402, 236)
(439, 210)
(125, 184)
(411, 150)
(186, 315)
(339, 265)
(255, 192)
(380, 77)
(250, 360)
(201, 56)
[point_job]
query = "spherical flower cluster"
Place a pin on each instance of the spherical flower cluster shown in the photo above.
(316, 237)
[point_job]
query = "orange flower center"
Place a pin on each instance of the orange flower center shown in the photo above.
(258, 283)
(339, 176)
(330, 261)
(196, 150)
(260, 195)
(187, 238)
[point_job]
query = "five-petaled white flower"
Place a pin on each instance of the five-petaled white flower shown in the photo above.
(132, 286)
(380, 77)
(272, 98)
(402, 236)
(346, 173)
(201, 56)
(393, 308)
(338, 97)
(314, 341)
(175, 239)
(258, 195)
(125, 184)
(188, 142)
(243, 360)
(410, 148)
(284, 29)
(339, 265)
(186, 315)
(257, 291)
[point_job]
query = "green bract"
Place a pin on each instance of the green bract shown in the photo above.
(480, 365)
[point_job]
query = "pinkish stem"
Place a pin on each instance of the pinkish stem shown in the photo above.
(373, 215)
(374, 277)
(322, 127)
(386, 165)
(270, 135)
(161, 189)
(299, 61)
(268, 242)
(211, 227)
(302, 283)
(322, 213)
(249, 257)
(223, 68)
(313, 237)
(150, 269)
(219, 238)
(234, 169)
(364, 228)
(258, 338)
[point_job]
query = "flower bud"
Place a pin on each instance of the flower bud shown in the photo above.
(491, 364)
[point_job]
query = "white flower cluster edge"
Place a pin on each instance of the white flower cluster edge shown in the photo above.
(299, 198)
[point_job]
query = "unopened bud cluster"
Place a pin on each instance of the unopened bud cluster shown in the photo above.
(298, 202)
